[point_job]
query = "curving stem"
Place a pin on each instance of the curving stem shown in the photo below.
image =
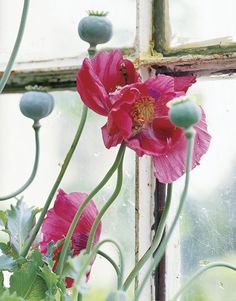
(16, 47)
(100, 215)
(199, 273)
(112, 262)
(105, 207)
(36, 127)
(57, 182)
(119, 157)
(90, 258)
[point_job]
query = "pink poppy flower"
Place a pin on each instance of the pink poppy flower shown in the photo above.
(58, 220)
(101, 75)
(138, 115)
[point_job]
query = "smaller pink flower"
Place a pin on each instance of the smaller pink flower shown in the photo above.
(58, 220)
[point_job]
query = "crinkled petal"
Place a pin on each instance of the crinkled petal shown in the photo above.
(160, 85)
(59, 218)
(145, 142)
(165, 84)
(120, 121)
(182, 83)
(165, 88)
(171, 166)
(110, 140)
(63, 200)
(113, 70)
(91, 89)
(155, 138)
(100, 76)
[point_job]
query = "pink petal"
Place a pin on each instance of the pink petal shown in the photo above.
(108, 67)
(91, 90)
(155, 138)
(145, 142)
(171, 166)
(160, 84)
(182, 83)
(110, 140)
(59, 218)
(165, 88)
(120, 121)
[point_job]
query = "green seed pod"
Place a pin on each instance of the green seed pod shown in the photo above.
(95, 29)
(117, 296)
(185, 113)
(36, 104)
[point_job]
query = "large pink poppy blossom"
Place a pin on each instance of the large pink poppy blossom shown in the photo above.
(138, 115)
(58, 220)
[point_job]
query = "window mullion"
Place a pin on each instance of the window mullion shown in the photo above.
(160, 273)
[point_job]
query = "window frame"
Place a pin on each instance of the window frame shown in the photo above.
(152, 54)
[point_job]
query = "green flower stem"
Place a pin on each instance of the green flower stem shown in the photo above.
(20, 33)
(101, 214)
(105, 207)
(77, 216)
(155, 243)
(80, 297)
(92, 50)
(57, 182)
(199, 273)
(189, 133)
(90, 258)
(36, 128)
(112, 262)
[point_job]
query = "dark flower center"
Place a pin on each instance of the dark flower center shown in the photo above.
(124, 72)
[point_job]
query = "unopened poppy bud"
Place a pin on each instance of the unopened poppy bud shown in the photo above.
(117, 296)
(96, 28)
(184, 113)
(36, 104)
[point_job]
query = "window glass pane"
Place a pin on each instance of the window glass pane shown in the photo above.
(51, 29)
(207, 226)
(202, 20)
(90, 163)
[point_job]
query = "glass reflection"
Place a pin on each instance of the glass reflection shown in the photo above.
(207, 226)
(202, 20)
(57, 37)
(89, 164)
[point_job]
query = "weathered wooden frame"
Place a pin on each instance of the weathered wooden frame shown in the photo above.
(151, 52)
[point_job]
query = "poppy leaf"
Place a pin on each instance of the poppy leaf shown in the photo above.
(20, 221)
(27, 284)
(6, 296)
(7, 263)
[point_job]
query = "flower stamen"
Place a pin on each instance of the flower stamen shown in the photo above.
(143, 111)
